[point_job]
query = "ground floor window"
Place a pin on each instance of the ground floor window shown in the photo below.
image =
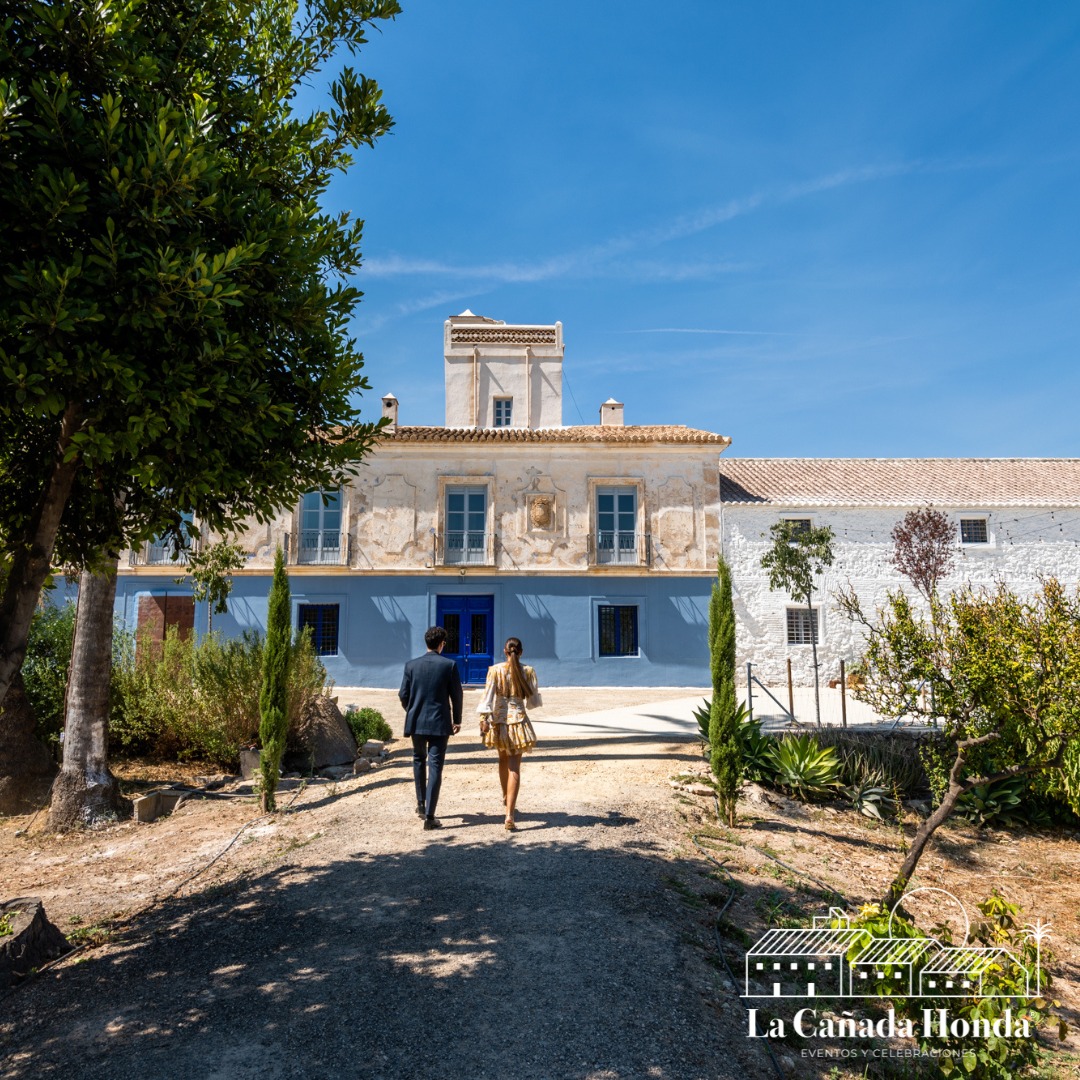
(323, 621)
(618, 629)
(802, 626)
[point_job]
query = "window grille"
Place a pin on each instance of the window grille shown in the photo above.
(973, 531)
(618, 626)
(802, 626)
(323, 621)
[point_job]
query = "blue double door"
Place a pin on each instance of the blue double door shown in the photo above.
(469, 622)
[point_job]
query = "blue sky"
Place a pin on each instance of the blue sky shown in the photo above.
(827, 229)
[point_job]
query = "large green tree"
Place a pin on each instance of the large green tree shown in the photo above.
(174, 309)
(1004, 679)
(798, 555)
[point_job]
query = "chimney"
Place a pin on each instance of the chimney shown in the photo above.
(611, 413)
(389, 410)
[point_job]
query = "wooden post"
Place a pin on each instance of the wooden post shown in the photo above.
(843, 695)
(790, 692)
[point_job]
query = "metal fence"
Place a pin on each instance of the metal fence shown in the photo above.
(779, 703)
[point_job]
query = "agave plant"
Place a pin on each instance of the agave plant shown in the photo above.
(701, 715)
(805, 768)
(870, 796)
(757, 752)
(999, 801)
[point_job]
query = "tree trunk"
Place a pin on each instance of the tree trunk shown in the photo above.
(86, 792)
(33, 552)
(26, 765)
(927, 829)
(918, 845)
(813, 648)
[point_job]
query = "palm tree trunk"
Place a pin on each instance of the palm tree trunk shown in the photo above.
(86, 791)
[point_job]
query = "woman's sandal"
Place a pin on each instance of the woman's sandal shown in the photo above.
(509, 825)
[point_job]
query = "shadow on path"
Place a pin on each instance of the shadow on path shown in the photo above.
(512, 957)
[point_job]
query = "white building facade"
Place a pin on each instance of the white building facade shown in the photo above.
(1016, 520)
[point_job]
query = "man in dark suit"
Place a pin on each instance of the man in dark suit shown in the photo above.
(431, 697)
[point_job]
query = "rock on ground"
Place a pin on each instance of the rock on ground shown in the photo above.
(325, 734)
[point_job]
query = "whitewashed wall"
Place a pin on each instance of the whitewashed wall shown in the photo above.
(1025, 545)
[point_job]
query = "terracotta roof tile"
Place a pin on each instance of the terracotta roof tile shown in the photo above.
(585, 433)
(901, 481)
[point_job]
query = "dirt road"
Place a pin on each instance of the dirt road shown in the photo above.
(341, 940)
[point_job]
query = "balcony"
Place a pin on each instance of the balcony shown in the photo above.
(616, 547)
(317, 547)
(159, 553)
(465, 549)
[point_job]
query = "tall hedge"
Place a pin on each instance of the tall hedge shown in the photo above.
(725, 755)
(273, 696)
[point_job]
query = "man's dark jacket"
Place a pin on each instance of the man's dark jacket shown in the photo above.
(431, 695)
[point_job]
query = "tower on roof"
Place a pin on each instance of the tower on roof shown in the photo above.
(502, 375)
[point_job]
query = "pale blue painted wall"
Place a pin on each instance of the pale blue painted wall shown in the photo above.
(383, 620)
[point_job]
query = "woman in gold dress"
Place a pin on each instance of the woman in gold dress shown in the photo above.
(504, 723)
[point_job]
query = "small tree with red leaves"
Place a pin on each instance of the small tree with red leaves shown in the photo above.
(924, 548)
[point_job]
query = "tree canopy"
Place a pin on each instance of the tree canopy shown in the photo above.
(175, 302)
(1000, 672)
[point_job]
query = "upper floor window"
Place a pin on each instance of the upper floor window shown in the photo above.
(320, 528)
(799, 525)
(162, 550)
(974, 531)
(466, 525)
(616, 525)
(504, 408)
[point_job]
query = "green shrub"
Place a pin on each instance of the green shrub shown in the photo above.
(870, 796)
(1041, 800)
(368, 723)
(45, 669)
(805, 768)
(891, 760)
(184, 699)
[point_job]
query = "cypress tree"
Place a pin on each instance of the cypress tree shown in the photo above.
(724, 713)
(273, 708)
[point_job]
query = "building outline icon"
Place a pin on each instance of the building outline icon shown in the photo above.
(814, 962)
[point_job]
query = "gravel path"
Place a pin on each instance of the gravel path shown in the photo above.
(354, 944)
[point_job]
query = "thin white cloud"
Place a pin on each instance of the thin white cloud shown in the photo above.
(596, 260)
(412, 307)
(703, 330)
